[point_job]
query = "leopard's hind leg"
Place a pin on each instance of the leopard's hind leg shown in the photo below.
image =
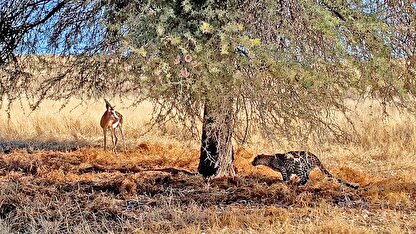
(304, 177)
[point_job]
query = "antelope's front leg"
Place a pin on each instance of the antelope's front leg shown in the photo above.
(112, 139)
(105, 138)
(115, 140)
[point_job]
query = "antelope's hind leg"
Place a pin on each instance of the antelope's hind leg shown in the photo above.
(114, 140)
(122, 137)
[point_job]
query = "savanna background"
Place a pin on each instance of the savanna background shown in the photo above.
(55, 177)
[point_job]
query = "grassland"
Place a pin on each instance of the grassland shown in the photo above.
(55, 178)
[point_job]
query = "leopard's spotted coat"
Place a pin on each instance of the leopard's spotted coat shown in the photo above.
(299, 163)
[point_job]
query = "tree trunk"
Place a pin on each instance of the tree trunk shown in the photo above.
(217, 156)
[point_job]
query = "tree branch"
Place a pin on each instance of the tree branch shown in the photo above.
(334, 11)
(58, 7)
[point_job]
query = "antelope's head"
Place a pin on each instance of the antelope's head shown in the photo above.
(110, 109)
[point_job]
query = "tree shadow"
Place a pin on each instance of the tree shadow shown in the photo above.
(388, 186)
(133, 169)
(9, 146)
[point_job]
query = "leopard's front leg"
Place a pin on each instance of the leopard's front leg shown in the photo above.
(285, 175)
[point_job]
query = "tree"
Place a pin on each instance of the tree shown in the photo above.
(236, 66)
(49, 27)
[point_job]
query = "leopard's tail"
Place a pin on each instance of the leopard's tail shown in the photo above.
(341, 181)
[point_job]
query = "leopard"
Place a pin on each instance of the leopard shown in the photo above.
(299, 163)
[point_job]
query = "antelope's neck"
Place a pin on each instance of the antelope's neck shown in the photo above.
(115, 123)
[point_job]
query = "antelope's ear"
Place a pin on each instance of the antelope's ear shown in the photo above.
(107, 104)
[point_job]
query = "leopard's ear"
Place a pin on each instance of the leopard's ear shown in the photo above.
(280, 155)
(257, 159)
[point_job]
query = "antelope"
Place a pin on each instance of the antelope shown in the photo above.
(111, 120)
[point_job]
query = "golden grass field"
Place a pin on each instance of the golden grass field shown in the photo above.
(55, 178)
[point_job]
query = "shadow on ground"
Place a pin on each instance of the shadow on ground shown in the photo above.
(90, 184)
(9, 146)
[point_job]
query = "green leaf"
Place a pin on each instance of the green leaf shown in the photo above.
(206, 28)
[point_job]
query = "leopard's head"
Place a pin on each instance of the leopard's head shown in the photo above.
(261, 159)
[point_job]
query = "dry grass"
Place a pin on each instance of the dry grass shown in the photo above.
(77, 124)
(72, 186)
